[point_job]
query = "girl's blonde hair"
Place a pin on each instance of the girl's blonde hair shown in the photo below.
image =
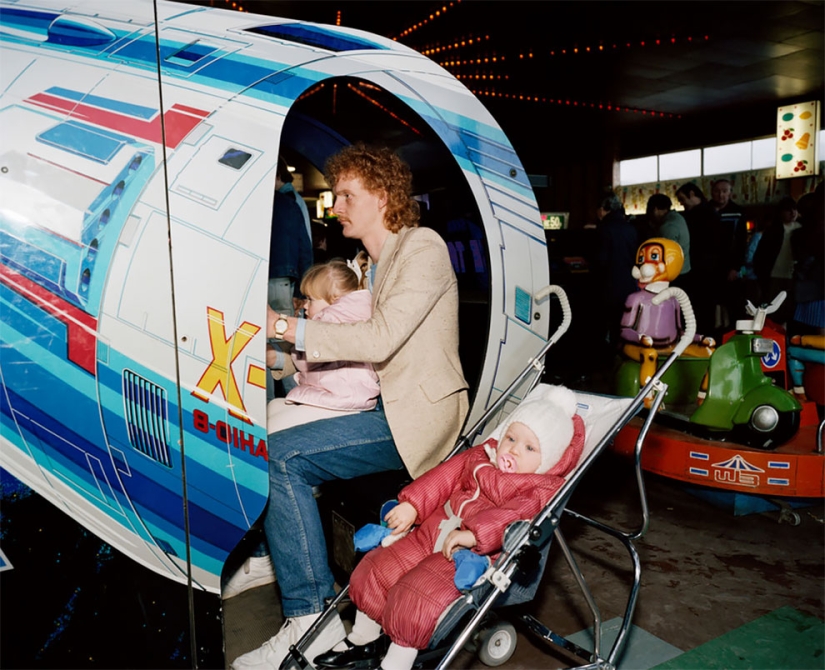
(329, 281)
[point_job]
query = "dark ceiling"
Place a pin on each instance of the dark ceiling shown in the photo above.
(640, 76)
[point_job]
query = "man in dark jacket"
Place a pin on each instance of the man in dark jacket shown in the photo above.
(290, 253)
(734, 236)
(616, 245)
(290, 256)
(705, 287)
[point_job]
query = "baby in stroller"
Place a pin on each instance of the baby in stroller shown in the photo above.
(465, 502)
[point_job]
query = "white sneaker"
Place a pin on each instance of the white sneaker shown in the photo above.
(271, 653)
(256, 571)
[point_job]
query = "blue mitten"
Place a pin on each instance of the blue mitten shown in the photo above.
(385, 508)
(370, 536)
(468, 568)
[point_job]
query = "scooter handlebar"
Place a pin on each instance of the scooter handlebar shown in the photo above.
(687, 314)
(565, 307)
(776, 302)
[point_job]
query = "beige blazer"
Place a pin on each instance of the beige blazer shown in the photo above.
(412, 341)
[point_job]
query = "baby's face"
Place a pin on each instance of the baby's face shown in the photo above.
(518, 450)
(315, 305)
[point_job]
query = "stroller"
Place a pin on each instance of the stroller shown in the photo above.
(515, 576)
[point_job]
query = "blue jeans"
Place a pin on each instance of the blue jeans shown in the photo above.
(303, 457)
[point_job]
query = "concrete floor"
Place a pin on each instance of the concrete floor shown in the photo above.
(705, 572)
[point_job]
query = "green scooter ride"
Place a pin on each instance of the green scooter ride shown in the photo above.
(728, 396)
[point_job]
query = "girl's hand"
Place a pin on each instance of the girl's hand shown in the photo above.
(401, 518)
(457, 539)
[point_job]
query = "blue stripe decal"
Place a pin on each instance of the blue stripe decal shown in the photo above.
(698, 471)
(27, 20)
(138, 111)
(73, 453)
(779, 465)
(779, 482)
(699, 456)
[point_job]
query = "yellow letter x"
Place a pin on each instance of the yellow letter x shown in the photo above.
(224, 353)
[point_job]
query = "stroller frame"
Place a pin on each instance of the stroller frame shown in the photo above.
(526, 541)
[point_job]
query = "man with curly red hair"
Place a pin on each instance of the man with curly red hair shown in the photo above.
(412, 341)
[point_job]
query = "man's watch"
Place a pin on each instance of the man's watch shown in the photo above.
(281, 326)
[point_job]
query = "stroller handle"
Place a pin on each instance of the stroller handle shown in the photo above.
(536, 364)
(687, 314)
(558, 291)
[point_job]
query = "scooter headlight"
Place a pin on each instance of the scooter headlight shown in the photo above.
(761, 346)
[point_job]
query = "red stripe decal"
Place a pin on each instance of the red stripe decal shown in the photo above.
(81, 327)
(179, 120)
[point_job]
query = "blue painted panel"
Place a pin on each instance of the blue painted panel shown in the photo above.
(33, 261)
(93, 143)
(190, 54)
(316, 36)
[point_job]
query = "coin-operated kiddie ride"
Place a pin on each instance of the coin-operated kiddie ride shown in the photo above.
(651, 327)
(723, 390)
(726, 424)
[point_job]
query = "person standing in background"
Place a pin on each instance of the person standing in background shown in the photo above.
(808, 245)
(290, 256)
(734, 237)
(774, 260)
(287, 188)
(705, 263)
(672, 226)
(290, 251)
(617, 240)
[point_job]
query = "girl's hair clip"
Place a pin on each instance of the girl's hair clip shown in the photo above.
(353, 265)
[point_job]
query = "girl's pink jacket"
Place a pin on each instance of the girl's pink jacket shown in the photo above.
(340, 385)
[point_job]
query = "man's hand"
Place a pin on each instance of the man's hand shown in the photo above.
(271, 317)
(271, 356)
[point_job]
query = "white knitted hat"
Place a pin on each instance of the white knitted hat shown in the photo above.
(547, 411)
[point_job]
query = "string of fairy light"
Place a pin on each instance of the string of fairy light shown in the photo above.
(488, 74)
(447, 55)
(235, 5)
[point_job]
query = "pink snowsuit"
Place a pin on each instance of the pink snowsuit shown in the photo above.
(341, 385)
(406, 587)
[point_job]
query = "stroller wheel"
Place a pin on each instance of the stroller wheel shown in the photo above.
(497, 644)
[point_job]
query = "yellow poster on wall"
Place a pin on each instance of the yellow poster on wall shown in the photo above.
(797, 127)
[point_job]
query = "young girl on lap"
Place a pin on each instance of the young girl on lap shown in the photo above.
(334, 295)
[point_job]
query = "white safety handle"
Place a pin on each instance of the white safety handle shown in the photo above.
(565, 308)
(687, 314)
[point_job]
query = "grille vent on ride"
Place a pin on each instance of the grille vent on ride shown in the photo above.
(146, 413)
